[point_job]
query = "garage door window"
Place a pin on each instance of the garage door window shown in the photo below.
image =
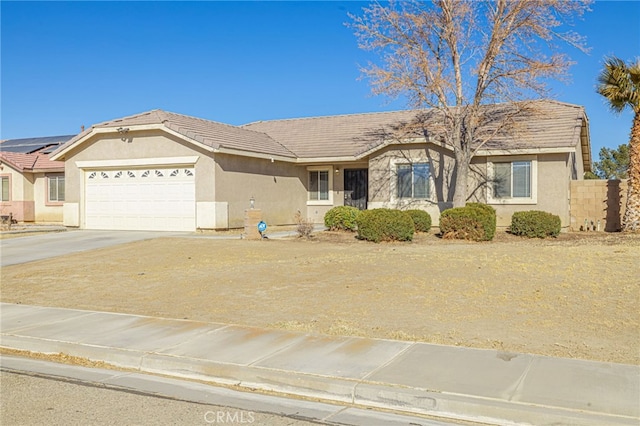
(124, 175)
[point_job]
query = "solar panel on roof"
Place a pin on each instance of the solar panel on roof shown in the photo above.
(29, 145)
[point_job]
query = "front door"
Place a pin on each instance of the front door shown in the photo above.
(356, 188)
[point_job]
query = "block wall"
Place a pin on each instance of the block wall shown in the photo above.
(596, 201)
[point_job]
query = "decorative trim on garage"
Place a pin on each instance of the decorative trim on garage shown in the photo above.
(137, 162)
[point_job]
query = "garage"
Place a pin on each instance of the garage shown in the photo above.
(149, 199)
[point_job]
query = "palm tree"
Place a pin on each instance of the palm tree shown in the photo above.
(619, 83)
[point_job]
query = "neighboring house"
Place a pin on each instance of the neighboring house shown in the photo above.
(32, 185)
(164, 171)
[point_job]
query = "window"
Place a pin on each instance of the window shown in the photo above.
(56, 188)
(413, 180)
(514, 181)
(319, 185)
(5, 188)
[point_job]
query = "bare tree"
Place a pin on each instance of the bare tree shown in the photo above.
(454, 56)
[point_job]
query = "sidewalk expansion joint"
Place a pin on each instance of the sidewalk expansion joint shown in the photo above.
(392, 359)
(520, 383)
(277, 351)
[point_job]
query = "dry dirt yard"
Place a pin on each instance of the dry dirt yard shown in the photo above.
(575, 296)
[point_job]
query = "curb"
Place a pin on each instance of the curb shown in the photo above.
(34, 229)
(359, 392)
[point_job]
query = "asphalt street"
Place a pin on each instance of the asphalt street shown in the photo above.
(36, 392)
(34, 400)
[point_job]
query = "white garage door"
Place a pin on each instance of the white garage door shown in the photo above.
(151, 199)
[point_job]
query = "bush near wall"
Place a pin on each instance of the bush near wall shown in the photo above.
(421, 220)
(535, 224)
(484, 207)
(490, 222)
(385, 225)
(341, 218)
(475, 222)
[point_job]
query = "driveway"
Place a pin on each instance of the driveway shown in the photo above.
(43, 246)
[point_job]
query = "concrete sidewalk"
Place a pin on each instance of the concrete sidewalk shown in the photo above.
(451, 382)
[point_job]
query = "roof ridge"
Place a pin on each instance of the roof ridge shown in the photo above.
(416, 110)
(34, 160)
(206, 120)
(139, 114)
(233, 127)
(563, 103)
(331, 116)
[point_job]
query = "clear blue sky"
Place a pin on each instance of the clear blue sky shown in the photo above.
(67, 64)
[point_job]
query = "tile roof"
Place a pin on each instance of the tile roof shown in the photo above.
(30, 162)
(332, 136)
(552, 125)
(213, 134)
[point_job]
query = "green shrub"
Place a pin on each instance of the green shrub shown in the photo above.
(535, 224)
(476, 222)
(489, 223)
(421, 220)
(484, 207)
(385, 225)
(341, 218)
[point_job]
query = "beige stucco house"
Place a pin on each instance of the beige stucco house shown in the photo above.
(164, 171)
(33, 187)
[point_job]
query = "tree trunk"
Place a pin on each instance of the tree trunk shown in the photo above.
(631, 219)
(461, 178)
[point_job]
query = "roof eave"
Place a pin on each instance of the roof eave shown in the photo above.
(58, 154)
(524, 151)
(585, 144)
(46, 170)
(316, 160)
(11, 164)
(253, 154)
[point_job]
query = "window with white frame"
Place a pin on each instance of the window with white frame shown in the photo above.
(512, 181)
(319, 185)
(412, 181)
(56, 188)
(5, 188)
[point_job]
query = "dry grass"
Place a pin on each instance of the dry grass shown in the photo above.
(575, 296)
